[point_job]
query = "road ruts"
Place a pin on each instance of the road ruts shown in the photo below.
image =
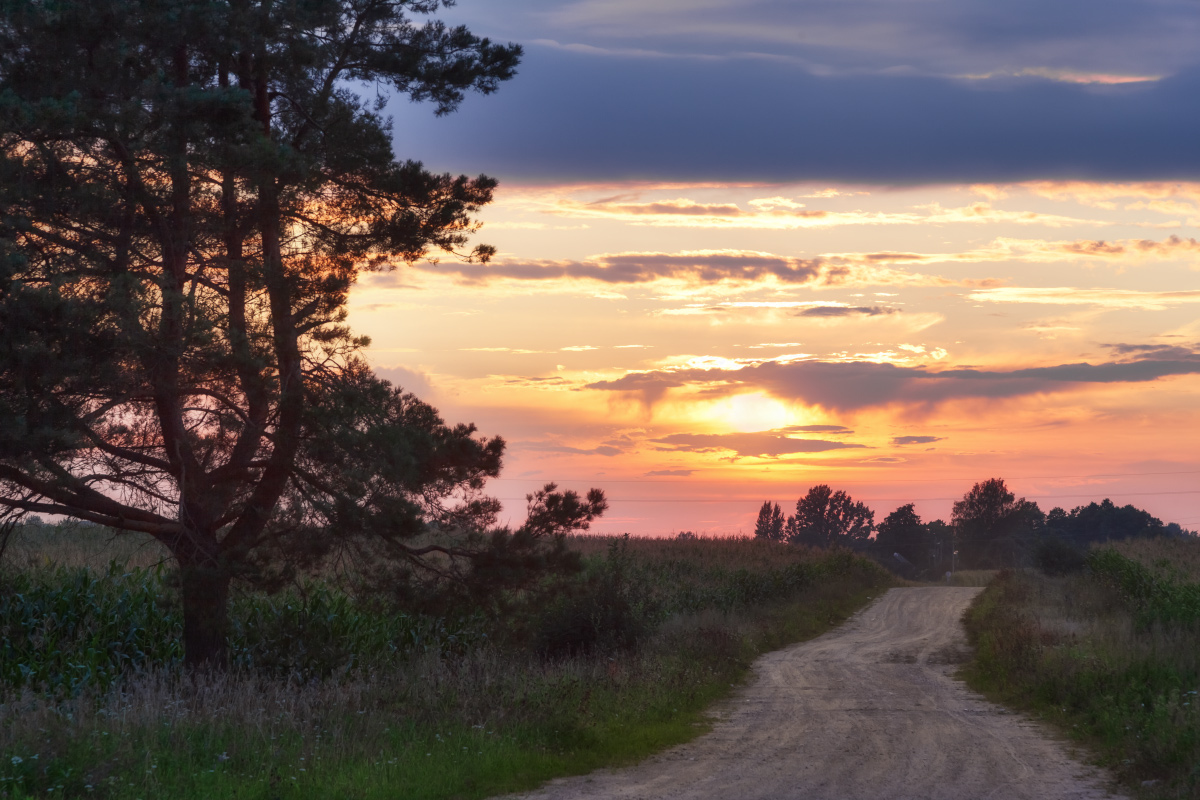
(869, 710)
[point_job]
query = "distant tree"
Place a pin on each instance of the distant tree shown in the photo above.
(825, 518)
(940, 538)
(1177, 531)
(902, 532)
(188, 189)
(1102, 522)
(992, 527)
(770, 522)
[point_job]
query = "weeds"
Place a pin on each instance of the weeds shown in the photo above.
(1080, 651)
(332, 697)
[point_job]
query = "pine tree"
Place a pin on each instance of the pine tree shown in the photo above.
(188, 189)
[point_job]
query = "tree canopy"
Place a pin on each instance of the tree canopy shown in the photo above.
(770, 522)
(825, 518)
(992, 527)
(188, 190)
(1103, 521)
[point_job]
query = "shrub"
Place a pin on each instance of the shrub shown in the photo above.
(1054, 556)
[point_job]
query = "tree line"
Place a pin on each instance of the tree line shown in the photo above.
(989, 528)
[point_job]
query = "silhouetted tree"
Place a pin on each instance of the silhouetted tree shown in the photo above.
(992, 527)
(1101, 522)
(770, 522)
(825, 518)
(941, 547)
(188, 189)
(902, 532)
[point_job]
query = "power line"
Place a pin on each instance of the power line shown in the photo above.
(885, 499)
(603, 479)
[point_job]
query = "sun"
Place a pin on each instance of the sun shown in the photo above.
(752, 412)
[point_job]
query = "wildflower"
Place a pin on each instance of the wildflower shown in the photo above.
(17, 760)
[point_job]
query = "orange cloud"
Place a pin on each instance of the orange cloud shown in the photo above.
(1065, 76)
(1105, 298)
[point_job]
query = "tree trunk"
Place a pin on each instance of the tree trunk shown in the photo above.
(205, 615)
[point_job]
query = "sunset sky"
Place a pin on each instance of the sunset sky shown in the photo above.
(748, 247)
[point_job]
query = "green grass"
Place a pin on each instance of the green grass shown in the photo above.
(1080, 652)
(439, 711)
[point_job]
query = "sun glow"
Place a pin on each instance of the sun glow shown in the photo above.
(745, 413)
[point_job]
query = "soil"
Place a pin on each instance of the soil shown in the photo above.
(869, 710)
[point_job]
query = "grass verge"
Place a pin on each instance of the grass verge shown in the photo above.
(441, 722)
(1078, 652)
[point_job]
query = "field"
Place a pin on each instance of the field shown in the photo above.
(1110, 654)
(334, 698)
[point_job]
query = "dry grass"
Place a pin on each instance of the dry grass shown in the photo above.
(972, 577)
(74, 544)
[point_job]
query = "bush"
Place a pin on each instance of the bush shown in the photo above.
(1054, 556)
(605, 611)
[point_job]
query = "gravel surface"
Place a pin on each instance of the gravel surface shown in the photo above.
(869, 710)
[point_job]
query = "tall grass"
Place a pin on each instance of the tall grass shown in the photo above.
(1103, 654)
(1157, 597)
(337, 698)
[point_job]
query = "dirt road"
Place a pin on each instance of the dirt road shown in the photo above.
(866, 711)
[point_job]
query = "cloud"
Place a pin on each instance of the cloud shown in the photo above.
(834, 429)
(677, 473)
(1105, 298)
(765, 444)
(632, 268)
(538, 381)
(1064, 75)
(763, 214)
(854, 385)
(1158, 351)
(902, 440)
(410, 380)
(844, 269)
(847, 311)
(1073, 41)
(643, 118)
(548, 447)
(695, 266)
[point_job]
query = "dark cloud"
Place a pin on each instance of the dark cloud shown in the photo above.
(642, 268)
(846, 311)
(574, 116)
(834, 429)
(901, 440)
(849, 386)
(1102, 248)
(764, 444)
(1158, 351)
(933, 36)
(676, 473)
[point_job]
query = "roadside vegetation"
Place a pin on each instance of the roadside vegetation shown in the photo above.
(331, 695)
(1106, 647)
